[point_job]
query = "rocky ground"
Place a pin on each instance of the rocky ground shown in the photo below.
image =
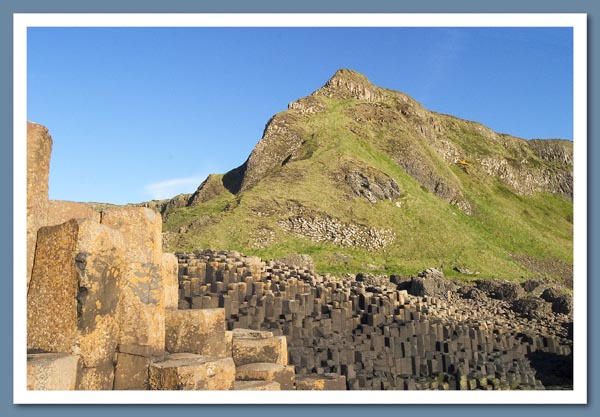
(392, 332)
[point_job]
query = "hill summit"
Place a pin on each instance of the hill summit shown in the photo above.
(365, 178)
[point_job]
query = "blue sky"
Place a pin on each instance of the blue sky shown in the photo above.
(144, 113)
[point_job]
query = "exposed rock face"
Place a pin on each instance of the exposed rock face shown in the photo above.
(556, 150)
(39, 147)
(532, 285)
(418, 164)
(280, 141)
(256, 386)
(372, 187)
(500, 290)
(165, 207)
(346, 83)
(306, 105)
(74, 291)
(210, 187)
(527, 180)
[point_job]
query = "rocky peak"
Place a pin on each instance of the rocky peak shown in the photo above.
(346, 83)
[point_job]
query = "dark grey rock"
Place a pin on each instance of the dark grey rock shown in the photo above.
(500, 290)
(532, 307)
(532, 284)
(431, 282)
(550, 294)
(473, 293)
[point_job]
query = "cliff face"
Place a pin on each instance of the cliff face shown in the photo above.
(338, 160)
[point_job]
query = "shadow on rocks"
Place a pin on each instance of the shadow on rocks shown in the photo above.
(555, 371)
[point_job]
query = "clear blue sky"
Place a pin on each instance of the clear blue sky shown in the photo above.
(143, 113)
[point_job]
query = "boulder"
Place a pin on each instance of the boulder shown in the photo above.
(561, 303)
(500, 290)
(51, 371)
(532, 307)
(550, 294)
(472, 293)
(431, 283)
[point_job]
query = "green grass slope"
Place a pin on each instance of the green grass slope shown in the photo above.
(451, 211)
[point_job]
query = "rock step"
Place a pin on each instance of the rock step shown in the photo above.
(256, 386)
(258, 347)
(51, 371)
(187, 371)
(284, 375)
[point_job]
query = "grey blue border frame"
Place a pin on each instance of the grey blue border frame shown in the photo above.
(8, 7)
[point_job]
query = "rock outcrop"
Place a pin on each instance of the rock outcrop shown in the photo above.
(102, 306)
(431, 283)
(278, 145)
(39, 147)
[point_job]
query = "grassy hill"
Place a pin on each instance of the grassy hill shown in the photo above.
(364, 178)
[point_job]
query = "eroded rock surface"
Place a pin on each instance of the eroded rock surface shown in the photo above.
(39, 147)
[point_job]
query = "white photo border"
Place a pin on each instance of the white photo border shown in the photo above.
(576, 21)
